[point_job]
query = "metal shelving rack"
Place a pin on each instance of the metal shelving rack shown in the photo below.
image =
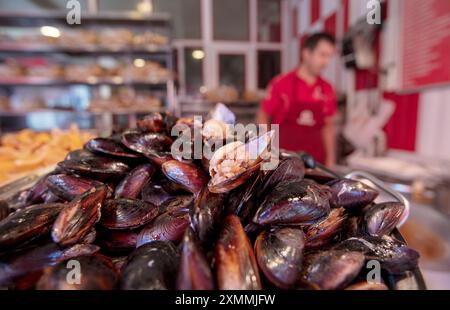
(161, 53)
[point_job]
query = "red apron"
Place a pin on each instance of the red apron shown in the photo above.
(301, 127)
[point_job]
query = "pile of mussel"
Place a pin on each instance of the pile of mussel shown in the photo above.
(131, 216)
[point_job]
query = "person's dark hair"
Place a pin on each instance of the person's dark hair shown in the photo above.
(313, 40)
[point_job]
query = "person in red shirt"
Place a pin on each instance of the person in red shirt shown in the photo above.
(303, 104)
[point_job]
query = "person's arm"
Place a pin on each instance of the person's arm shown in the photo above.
(263, 118)
(329, 142)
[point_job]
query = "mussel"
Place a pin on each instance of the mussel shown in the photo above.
(67, 187)
(279, 252)
(234, 163)
(169, 226)
(154, 122)
(27, 224)
(298, 202)
(95, 273)
(132, 185)
(152, 266)
(36, 258)
(194, 272)
(99, 168)
(189, 176)
(117, 240)
(332, 270)
(155, 193)
(145, 143)
(381, 219)
(78, 154)
(351, 194)
(394, 256)
(107, 146)
(4, 210)
(77, 219)
(127, 213)
(207, 213)
(235, 263)
(320, 234)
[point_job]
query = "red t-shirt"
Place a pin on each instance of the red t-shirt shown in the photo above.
(280, 92)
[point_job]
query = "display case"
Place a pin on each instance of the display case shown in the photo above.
(102, 73)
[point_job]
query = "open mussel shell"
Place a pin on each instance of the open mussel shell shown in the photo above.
(95, 273)
(78, 218)
(231, 156)
(194, 272)
(381, 219)
(394, 256)
(207, 214)
(189, 176)
(127, 213)
(331, 269)
(144, 143)
(298, 202)
(37, 258)
(110, 147)
(132, 185)
(152, 266)
(351, 194)
(27, 224)
(169, 226)
(67, 187)
(322, 233)
(279, 252)
(235, 263)
(99, 168)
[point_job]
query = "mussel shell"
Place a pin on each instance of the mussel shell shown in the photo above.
(207, 214)
(28, 223)
(78, 154)
(78, 218)
(50, 197)
(289, 169)
(132, 185)
(90, 237)
(235, 181)
(279, 253)
(351, 194)
(394, 256)
(99, 168)
(331, 269)
(146, 142)
(166, 227)
(320, 234)
(97, 273)
(194, 272)
(189, 176)
(367, 286)
(117, 240)
(155, 193)
(318, 175)
(381, 219)
(37, 258)
(181, 203)
(297, 202)
(4, 210)
(127, 213)
(67, 187)
(109, 147)
(152, 266)
(242, 200)
(154, 122)
(235, 263)
(33, 195)
(159, 157)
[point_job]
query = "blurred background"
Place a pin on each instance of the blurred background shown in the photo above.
(61, 84)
